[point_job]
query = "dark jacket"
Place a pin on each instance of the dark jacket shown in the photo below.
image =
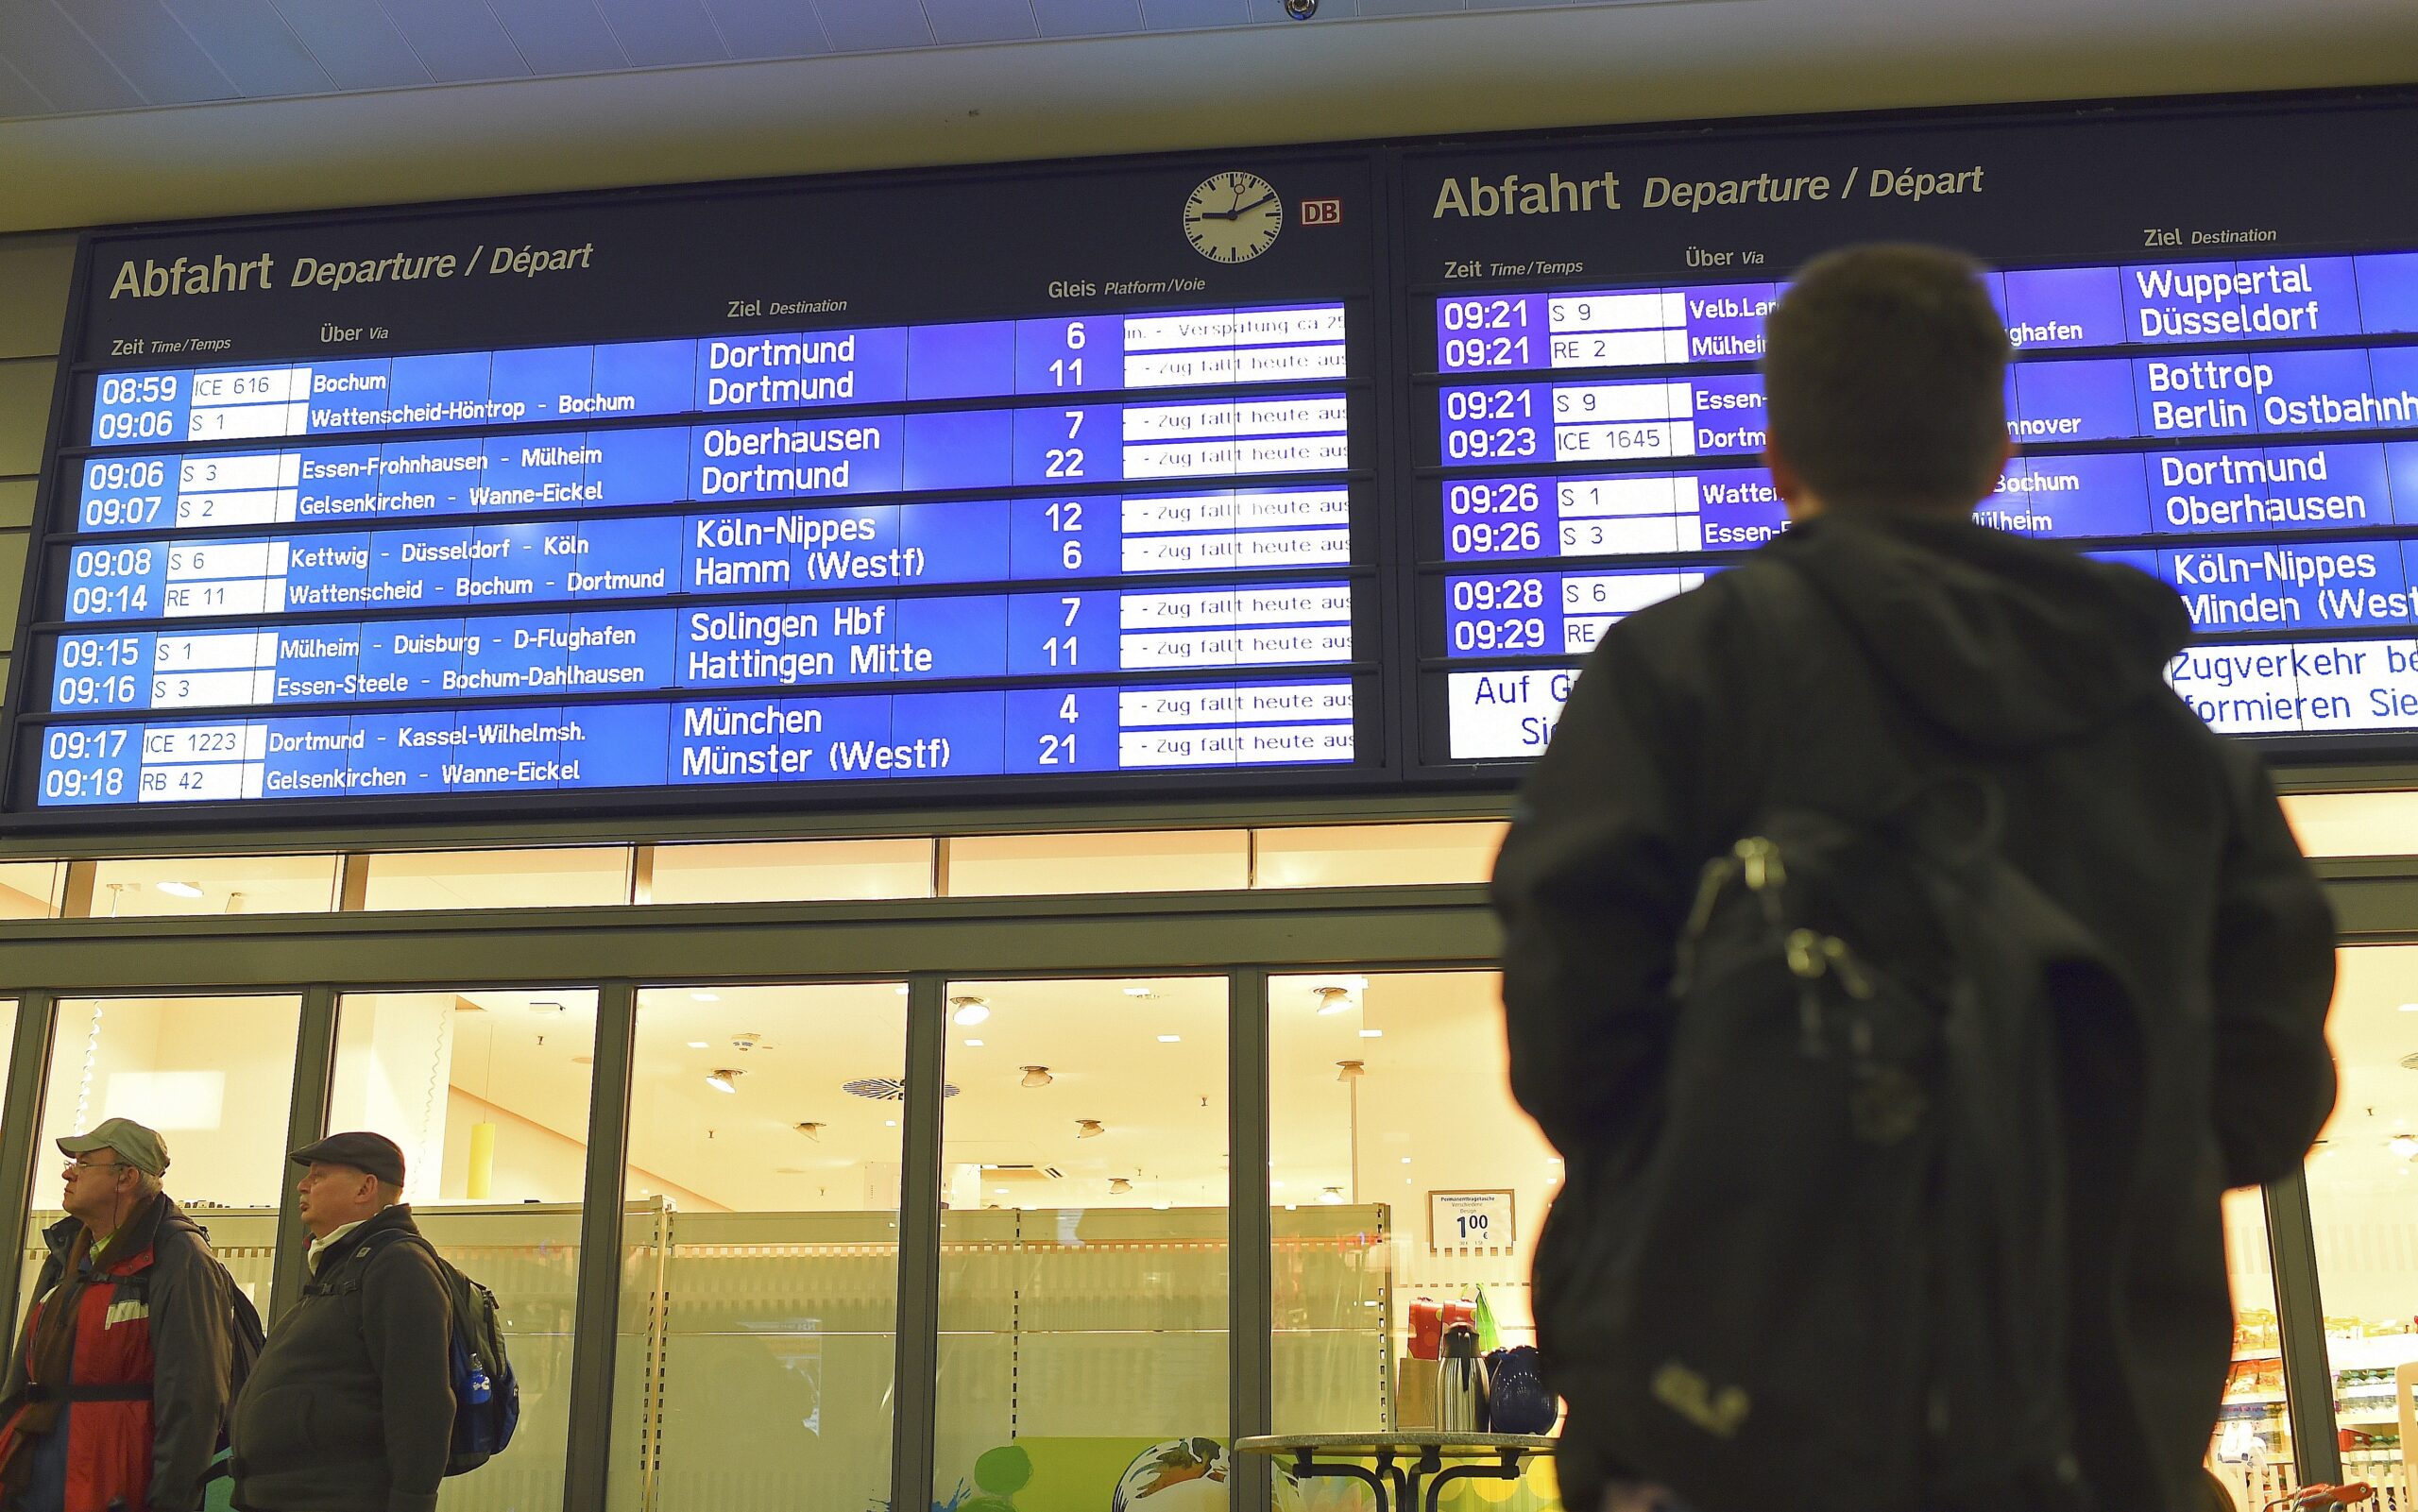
(174, 1307)
(350, 1407)
(1950, 642)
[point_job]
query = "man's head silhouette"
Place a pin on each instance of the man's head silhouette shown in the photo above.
(1884, 370)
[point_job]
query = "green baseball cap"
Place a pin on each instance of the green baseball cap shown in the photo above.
(139, 1147)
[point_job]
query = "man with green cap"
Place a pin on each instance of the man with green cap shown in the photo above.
(119, 1392)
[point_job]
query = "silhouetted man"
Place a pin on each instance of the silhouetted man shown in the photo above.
(1886, 623)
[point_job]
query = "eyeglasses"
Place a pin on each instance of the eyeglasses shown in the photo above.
(96, 1166)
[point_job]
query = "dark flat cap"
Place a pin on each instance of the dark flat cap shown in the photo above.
(361, 1150)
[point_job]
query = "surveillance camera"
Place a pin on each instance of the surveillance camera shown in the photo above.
(1301, 9)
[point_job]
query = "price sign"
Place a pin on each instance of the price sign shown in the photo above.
(1471, 1220)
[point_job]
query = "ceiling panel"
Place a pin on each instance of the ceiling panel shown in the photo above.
(458, 41)
(153, 50)
(657, 33)
(915, 103)
(49, 48)
(355, 43)
(955, 23)
(560, 36)
(769, 28)
(252, 46)
(872, 26)
(1182, 15)
(1087, 18)
(18, 97)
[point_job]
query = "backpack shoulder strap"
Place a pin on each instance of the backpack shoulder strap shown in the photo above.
(346, 1273)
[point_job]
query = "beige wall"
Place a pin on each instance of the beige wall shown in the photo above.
(34, 274)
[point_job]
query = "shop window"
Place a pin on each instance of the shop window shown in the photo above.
(1374, 855)
(791, 870)
(1403, 1178)
(1084, 1265)
(2252, 1450)
(2364, 1204)
(487, 1092)
(213, 1077)
(30, 890)
(170, 885)
(1197, 860)
(572, 877)
(2353, 823)
(762, 1335)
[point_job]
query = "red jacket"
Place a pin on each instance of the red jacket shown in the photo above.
(162, 1337)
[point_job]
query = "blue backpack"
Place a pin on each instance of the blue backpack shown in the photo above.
(486, 1397)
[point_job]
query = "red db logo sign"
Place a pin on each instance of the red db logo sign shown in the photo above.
(1322, 212)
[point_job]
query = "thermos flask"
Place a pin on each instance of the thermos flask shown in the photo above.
(1460, 1382)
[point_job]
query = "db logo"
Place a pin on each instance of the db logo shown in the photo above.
(1322, 212)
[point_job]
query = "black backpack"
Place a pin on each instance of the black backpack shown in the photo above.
(1835, 1275)
(1832, 1271)
(486, 1395)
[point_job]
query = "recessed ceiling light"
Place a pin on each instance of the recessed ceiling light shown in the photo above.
(1372, 1034)
(2410, 1007)
(974, 1044)
(699, 1044)
(1140, 991)
(181, 890)
(890, 1123)
(704, 998)
(1405, 1160)
(1170, 1039)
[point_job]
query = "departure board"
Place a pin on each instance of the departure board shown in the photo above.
(2216, 380)
(1040, 481)
(1312, 470)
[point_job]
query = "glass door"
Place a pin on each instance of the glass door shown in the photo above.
(1083, 1244)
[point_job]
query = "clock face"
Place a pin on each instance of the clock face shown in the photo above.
(1233, 217)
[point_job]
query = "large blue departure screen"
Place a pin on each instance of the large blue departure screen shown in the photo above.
(1313, 470)
(688, 504)
(2227, 446)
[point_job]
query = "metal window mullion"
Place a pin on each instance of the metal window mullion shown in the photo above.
(1249, 1244)
(2300, 1313)
(915, 1376)
(597, 1313)
(20, 1132)
(306, 1119)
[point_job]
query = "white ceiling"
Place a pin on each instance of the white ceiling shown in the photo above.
(1345, 76)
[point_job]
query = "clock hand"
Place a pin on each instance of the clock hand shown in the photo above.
(1253, 205)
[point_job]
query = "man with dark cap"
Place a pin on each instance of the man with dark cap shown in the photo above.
(121, 1383)
(350, 1408)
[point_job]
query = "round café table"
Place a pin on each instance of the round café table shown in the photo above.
(1403, 1459)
